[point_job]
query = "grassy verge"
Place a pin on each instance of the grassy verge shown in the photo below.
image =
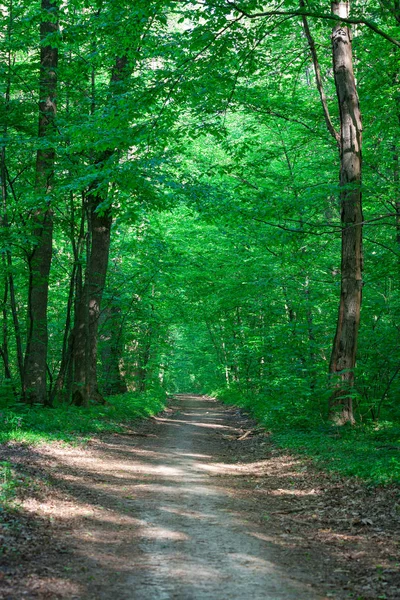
(370, 451)
(36, 424)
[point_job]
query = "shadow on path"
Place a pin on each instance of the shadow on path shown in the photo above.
(164, 515)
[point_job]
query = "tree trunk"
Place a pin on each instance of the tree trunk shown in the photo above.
(111, 350)
(84, 352)
(4, 348)
(85, 388)
(62, 388)
(8, 262)
(396, 165)
(144, 362)
(39, 261)
(343, 358)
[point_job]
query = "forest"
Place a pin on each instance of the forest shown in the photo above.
(202, 197)
(200, 299)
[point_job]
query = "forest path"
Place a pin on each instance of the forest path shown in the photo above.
(166, 512)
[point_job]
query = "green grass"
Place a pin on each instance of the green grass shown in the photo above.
(9, 483)
(369, 451)
(356, 452)
(20, 423)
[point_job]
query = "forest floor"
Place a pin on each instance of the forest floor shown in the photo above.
(196, 504)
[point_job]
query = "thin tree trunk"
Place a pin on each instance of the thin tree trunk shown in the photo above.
(144, 362)
(75, 289)
(343, 358)
(311, 336)
(111, 350)
(396, 167)
(4, 218)
(39, 261)
(17, 329)
(4, 349)
(318, 78)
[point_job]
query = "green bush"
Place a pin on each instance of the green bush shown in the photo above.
(370, 451)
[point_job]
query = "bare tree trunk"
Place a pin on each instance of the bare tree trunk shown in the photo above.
(4, 348)
(318, 78)
(60, 391)
(85, 333)
(144, 362)
(39, 261)
(85, 388)
(343, 358)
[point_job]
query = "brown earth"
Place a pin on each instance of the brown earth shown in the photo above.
(197, 504)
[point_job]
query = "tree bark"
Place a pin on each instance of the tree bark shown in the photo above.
(4, 348)
(8, 262)
(111, 350)
(61, 391)
(343, 357)
(85, 387)
(39, 260)
(396, 163)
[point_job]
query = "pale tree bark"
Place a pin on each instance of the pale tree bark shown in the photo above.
(39, 260)
(343, 357)
(349, 141)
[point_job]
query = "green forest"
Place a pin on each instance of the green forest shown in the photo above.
(203, 197)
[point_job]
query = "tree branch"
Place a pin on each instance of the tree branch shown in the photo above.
(316, 15)
(318, 77)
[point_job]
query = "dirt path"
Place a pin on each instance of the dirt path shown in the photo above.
(179, 509)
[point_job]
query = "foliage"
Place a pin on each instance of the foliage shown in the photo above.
(9, 484)
(68, 423)
(369, 451)
(214, 160)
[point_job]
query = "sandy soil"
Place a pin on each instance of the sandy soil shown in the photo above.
(193, 505)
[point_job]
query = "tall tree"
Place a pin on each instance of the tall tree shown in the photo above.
(343, 357)
(84, 347)
(39, 259)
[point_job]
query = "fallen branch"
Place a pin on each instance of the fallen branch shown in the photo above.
(245, 435)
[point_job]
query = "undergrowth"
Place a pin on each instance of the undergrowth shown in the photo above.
(9, 483)
(369, 450)
(21, 423)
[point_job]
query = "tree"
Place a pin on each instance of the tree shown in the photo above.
(343, 358)
(39, 258)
